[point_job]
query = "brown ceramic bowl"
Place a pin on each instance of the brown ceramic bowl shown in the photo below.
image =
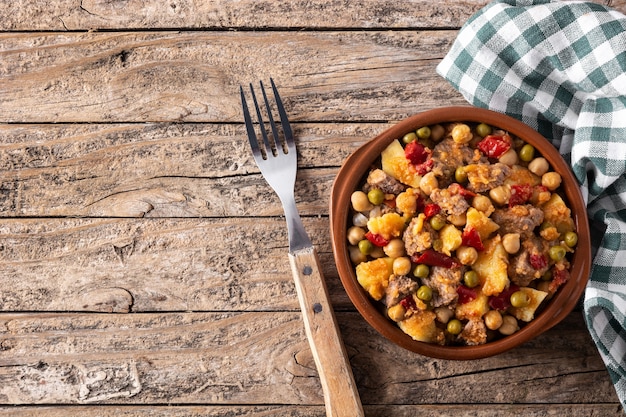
(352, 174)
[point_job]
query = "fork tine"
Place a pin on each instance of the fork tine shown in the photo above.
(268, 148)
(254, 144)
(277, 142)
(283, 119)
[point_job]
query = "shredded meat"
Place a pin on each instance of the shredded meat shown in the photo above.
(399, 287)
(378, 178)
(474, 333)
(444, 282)
(448, 155)
(418, 239)
(522, 219)
(484, 177)
(451, 202)
(521, 270)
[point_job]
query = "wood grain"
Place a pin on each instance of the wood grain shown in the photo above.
(161, 170)
(136, 14)
(144, 259)
(195, 76)
(124, 265)
(261, 358)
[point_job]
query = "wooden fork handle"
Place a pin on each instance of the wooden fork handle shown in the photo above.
(340, 393)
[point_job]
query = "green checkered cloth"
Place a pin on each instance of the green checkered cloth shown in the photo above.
(561, 68)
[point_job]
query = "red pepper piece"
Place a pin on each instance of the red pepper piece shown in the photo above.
(416, 153)
(494, 145)
(408, 303)
(456, 188)
(431, 257)
(431, 210)
(419, 156)
(376, 239)
(502, 301)
(391, 203)
(427, 166)
(520, 194)
(471, 237)
(538, 260)
(559, 277)
(466, 294)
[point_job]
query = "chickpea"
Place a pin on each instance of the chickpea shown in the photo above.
(428, 183)
(467, 255)
(500, 195)
(511, 242)
(396, 312)
(509, 325)
(458, 220)
(395, 248)
(443, 314)
(551, 180)
(509, 157)
(402, 266)
(355, 235)
(538, 166)
(493, 320)
(360, 202)
(356, 256)
(437, 132)
(377, 252)
(461, 133)
(483, 203)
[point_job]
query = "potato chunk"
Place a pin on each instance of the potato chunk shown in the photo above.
(388, 225)
(395, 163)
(421, 326)
(491, 267)
(527, 313)
(481, 223)
(374, 276)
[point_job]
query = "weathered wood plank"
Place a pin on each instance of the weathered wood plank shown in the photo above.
(161, 170)
(423, 410)
(178, 14)
(136, 14)
(263, 358)
(195, 76)
(123, 265)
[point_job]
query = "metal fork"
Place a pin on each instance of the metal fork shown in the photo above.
(277, 161)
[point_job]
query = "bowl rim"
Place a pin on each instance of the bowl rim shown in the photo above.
(350, 176)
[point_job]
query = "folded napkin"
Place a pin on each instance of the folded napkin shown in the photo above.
(560, 67)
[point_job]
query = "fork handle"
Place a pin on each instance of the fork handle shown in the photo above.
(341, 396)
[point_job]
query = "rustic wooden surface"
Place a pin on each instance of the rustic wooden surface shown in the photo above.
(143, 258)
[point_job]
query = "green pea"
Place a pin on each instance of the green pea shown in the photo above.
(520, 299)
(547, 276)
(470, 278)
(423, 132)
(454, 326)
(545, 225)
(437, 222)
(527, 153)
(424, 293)
(570, 239)
(365, 246)
(376, 196)
(409, 137)
(483, 129)
(557, 253)
(421, 271)
(460, 175)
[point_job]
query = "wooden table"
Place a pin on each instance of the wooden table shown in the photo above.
(143, 258)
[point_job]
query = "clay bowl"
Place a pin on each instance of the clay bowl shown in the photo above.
(352, 174)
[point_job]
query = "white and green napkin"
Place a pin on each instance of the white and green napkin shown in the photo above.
(560, 67)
